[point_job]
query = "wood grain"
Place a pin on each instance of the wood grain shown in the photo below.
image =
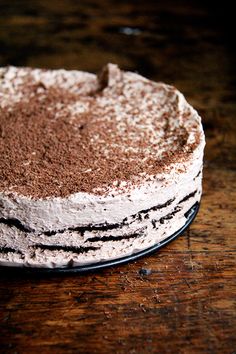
(187, 304)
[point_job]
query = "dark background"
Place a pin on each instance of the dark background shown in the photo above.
(187, 303)
(191, 36)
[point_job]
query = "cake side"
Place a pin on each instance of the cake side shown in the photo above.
(163, 214)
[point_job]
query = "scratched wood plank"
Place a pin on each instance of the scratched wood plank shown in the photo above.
(187, 303)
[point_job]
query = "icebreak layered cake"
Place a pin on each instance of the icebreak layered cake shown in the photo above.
(93, 167)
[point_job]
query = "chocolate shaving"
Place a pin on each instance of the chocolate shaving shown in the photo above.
(57, 140)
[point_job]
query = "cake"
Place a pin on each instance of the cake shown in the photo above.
(93, 167)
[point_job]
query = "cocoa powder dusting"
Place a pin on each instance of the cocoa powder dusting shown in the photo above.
(60, 138)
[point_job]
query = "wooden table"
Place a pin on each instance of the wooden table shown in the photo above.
(187, 303)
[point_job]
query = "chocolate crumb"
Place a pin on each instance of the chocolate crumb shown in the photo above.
(145, 272)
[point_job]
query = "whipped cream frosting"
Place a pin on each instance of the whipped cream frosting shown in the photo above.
(68, 132)
(131, 121)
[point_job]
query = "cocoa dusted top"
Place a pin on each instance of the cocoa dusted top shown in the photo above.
(63, 132)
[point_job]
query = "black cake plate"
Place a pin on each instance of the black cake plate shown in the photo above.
(190, 215)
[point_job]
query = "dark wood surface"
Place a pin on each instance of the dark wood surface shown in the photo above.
(187, 303)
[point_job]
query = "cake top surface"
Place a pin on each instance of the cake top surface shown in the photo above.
(63, 132)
